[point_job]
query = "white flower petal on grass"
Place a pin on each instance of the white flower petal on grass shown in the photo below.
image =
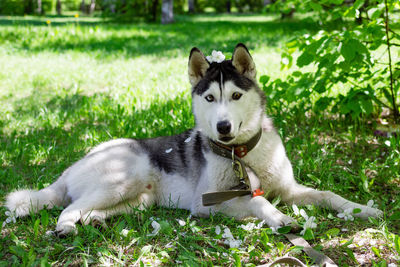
(295, 209)
(217, 229)
(304, 214)
(345, 230)
(347, 214)
(229, 239)
(371, 203)
(227, 233)
(49, 233)
(248, 227)
(125, 232)
(156, 227)
(260, 224)
(4, 224)
(387, 142)
(309, 224)
(187, 140)
(233, 243)
(168, 150)
(181, 222)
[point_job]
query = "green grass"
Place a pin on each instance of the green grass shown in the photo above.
(69, 85)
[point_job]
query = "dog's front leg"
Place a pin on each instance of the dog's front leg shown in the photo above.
(247, 206)
(302, 195)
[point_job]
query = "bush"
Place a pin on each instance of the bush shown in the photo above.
(14, 7)
(22, 7)
(351, 65)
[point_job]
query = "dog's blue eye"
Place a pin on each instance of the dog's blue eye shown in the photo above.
(209, 98)
(236, 95)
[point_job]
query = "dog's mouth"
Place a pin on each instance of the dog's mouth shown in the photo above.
(226, 139)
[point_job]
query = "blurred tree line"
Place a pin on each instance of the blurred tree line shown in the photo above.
(126, 9)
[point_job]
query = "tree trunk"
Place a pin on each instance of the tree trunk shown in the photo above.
(167, 13)
(58, 7)
(92, 6)
(39, 7)
(154, 9)
(83, 8)
(228, 6)
(192, 7)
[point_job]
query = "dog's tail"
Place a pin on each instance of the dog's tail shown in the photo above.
(22, 202)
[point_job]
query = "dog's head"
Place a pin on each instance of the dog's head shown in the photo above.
(227, 103)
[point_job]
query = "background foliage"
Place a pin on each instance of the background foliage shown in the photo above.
(353, 68)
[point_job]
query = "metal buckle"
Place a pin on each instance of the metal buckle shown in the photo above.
(237, 166)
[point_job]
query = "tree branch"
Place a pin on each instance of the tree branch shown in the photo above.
(395, 110)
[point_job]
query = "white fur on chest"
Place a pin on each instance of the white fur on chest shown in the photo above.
(219, 173)
(269, 161)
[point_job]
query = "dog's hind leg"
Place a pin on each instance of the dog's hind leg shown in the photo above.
(302, 195)
(98, 217)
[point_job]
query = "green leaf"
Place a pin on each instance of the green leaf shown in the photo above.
(336, 2)
(280, 246)
(332, 232)
(348, 51)
(356, 210)
(305, 59)
(323, 103)
(397, 243)
(395, 216)
(315, 6)
(308, 234)
(346, 244)
(284, 230)
(237, 260)
(36, 228)
(44, 218)
(374, 13)
(387, 95)
(376, 252)
(366, 105)
(264, 79)
(358, 4)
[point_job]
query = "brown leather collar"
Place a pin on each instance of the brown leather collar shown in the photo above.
(239, 150)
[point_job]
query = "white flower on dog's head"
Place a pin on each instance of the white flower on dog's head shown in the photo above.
(347, 214)
(216, 56)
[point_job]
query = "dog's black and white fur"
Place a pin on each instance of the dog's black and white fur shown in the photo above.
(229, 108)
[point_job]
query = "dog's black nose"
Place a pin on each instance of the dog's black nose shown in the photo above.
(224, 127)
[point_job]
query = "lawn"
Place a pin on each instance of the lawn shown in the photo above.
(67, 84)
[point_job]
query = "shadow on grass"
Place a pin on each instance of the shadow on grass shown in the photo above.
(66, 127)
(132, 40)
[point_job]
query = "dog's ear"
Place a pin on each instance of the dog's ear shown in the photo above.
(243, 61)
(198, 66)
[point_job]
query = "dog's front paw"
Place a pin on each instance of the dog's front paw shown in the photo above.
(278, 219)
(369, 212)
(62, 230)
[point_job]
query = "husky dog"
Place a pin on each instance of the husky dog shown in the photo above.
(229, 109)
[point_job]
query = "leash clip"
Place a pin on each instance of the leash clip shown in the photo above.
(237, 166)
